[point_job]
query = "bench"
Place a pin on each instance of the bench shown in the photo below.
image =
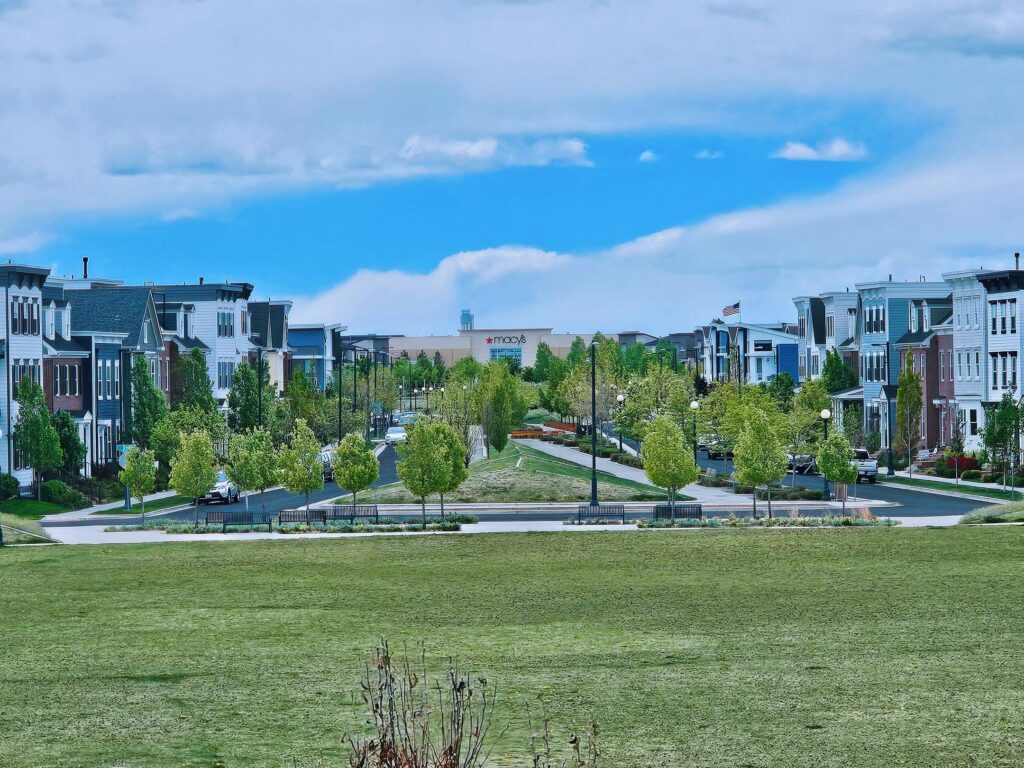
(590, 512)
(350, 512)
(252, 518)
(678, 512)
(306, 516)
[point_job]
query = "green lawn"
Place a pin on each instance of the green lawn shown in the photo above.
(866, 647)
(30, 509)
(151, 506)
(997, 513)
(524, 474)
(21, 530)
(970, 490)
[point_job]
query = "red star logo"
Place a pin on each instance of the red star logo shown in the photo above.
(489, 340)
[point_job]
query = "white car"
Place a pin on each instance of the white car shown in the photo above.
(224, 491)
(395, 435)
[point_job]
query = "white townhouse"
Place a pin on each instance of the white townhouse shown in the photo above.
(21, 353)
(968, 362)
(217, 314)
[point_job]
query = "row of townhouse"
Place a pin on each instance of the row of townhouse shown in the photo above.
(961, 335)
(78, 337)
(753, 353)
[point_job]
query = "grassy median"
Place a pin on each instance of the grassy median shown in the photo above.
(689, 648)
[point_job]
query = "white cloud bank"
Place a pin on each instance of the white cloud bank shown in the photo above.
(647, 156)
(835, 151)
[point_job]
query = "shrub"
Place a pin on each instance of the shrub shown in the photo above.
(962, 463)
(971, 474)
(57, 492)
(991, 477)
(9, 486)
(873, 441)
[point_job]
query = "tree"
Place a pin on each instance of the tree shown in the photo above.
(999, 435)
(836, 374)
(501, 406)
(139, 475)
(782, 389)
(453, 459)
(165, 439)
(908, 410)
(72, 448)
(196, 387)
(467, 369)
(667, 460)
(148, 404)
(542, 363)
(301, 397)
(244, 398)
(421, 464)
(355, 466)
(577, 353)
(760, 456)
(835, 460)
(34, 435)
(253, 462)
(300, 467)
(193, 470)
(635, 359)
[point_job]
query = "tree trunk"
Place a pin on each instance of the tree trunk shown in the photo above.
(755, 502)
(769, 501)
(39, 487)
(442, 507)
(195, 503)
(672, 505)
(353, 502)
(142, 500)
(423, 509)
(844, 505)
(246, 502)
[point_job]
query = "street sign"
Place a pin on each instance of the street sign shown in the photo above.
(122, 453)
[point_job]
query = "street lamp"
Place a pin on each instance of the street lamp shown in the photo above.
(825, 414)
(694, 407)
(429, 390)
(620, 399)
(593, 425)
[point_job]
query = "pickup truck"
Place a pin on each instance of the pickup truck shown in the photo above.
(867, 468)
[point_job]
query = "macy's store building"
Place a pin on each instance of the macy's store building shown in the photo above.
(486, 344)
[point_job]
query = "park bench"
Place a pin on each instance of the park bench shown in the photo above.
(350, 512)
(251, 518)
(307, 516)
(681, 512)
(601, 511)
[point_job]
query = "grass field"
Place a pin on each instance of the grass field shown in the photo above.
(997, 513)
(524, 474)
(970, 490)
(871, 647)
(151, 506)
(30, 509)
(19, 530)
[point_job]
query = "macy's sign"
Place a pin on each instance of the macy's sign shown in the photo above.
(521, 339)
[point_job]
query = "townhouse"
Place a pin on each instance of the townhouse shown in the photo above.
(269, 335)
(217, 316)
(927, 358)
(311, 345)
(965, 361)
(748, 352)
(884, 318)
(21, 355)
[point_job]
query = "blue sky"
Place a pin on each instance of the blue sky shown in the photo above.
(385, 163)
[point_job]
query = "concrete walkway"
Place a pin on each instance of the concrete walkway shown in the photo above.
(698, 492)
(113, 507)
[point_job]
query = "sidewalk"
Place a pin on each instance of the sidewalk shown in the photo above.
(951, 481)
(698, 492)
(113, 507)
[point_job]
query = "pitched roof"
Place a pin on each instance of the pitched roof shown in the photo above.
(59, 345)
(268, 322)
(818, 319)
(110, 310)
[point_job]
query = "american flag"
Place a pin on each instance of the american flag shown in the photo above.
(732, 309)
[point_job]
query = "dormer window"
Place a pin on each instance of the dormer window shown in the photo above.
(913, 319)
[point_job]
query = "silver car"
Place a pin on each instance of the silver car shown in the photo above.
(224, 490)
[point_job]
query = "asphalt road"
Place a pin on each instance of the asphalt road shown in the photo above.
(272, 501)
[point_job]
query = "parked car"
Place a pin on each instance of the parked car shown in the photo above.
(718, 450)
(395, 435)
(326, 460)
(224, 490)
(801, 463)
(867, 468)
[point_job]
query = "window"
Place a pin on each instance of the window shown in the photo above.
(34, 307)
(759, 365)
(959, 366)
(942, 366)
(245, 322)
(15, 317)
(75, 390)
(226, 324)
(117, 378)
(995, 372)
(973, 413)
(968, 356)
(1011, 308)
(977, 364)
(58, 322)
(166, 375)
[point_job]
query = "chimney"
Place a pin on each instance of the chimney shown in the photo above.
(890, 277)
(85, 267)
(202, 279)
(1016, 260)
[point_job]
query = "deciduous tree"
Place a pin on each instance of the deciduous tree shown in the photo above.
(196, 387)
(253, 462)
(453, 457)
(760, 455)
(835, 460)
(300, 467)
(139, 475)
(148, 404)
(34, 435)
(908, 411)
(421, 466)
(193, 468)
(355, 466)
(72, 448)
(667, 460)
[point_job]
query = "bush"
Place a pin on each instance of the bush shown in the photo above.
(971, 474)
(57, 492)
(991, 477)
(962, 463)
(9, 486)
(873, 441)
(792, 494)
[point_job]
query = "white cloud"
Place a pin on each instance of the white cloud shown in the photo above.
(837, 150)
(709, 154)
(179, 214)
(647, 156)
(921, 221)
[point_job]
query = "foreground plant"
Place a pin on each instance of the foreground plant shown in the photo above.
(443, 722)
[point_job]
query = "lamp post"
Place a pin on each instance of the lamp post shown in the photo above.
(429, 390)
(593, 425)
(259, 386)
(694, 407)
(825, 414)
(620, 399)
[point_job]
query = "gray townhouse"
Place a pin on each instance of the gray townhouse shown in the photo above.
(214, 316)
(884, 319)
(268, 328)
(810, 320)
(21, 354)
(968, 362)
